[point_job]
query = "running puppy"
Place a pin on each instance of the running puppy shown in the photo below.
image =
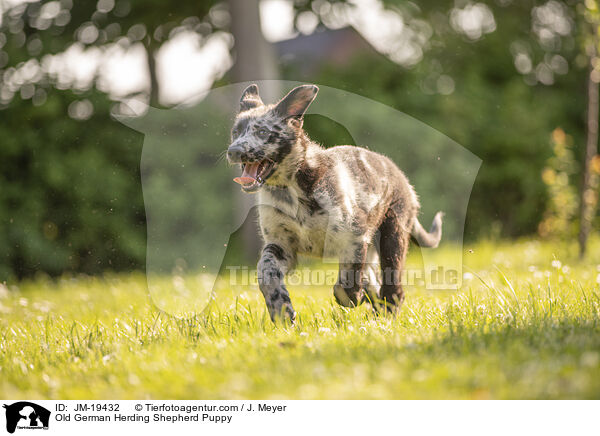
(324, 202)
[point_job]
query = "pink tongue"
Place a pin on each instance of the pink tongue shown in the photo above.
(249, 174)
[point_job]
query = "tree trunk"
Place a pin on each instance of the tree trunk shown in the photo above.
(254, 60)
(588, 189)
(153, 97)
(254, 56)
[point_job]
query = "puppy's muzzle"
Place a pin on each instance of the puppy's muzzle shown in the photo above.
(235, 153)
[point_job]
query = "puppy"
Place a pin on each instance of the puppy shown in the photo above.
(343, 201)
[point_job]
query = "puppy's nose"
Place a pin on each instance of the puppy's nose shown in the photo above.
(234, 153)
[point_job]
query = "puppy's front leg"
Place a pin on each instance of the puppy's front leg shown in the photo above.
(272, 266)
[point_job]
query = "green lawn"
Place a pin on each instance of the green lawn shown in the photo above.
(526, 324)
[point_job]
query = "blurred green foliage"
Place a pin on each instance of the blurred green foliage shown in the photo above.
(71, 198)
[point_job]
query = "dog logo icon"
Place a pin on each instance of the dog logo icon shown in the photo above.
(26, 415)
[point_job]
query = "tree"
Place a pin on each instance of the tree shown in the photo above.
(591, 168)
(51, 27)
(254, 60)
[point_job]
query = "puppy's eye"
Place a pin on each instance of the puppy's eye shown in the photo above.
(263, 133)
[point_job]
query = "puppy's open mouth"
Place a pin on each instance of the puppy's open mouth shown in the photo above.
(255, 174)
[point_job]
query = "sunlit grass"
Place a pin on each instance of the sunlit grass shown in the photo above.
(524, 325)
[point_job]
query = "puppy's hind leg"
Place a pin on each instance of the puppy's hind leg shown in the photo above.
(372, 275)
(393, 249)
(349, 289)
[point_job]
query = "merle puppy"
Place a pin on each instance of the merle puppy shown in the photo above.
(343, 201)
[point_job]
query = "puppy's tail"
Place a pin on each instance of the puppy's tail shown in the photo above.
(429, 239)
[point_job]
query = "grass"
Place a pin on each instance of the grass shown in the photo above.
(526, 324)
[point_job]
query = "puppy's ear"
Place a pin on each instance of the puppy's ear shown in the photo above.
(250, 98)
(297, 101)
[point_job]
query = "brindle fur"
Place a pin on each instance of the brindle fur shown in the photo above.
(344, 201)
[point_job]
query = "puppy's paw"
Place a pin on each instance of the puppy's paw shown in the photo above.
(289, 314)
(284, 314)
(385, 308)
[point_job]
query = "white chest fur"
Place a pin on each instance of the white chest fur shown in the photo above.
(298, 223)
